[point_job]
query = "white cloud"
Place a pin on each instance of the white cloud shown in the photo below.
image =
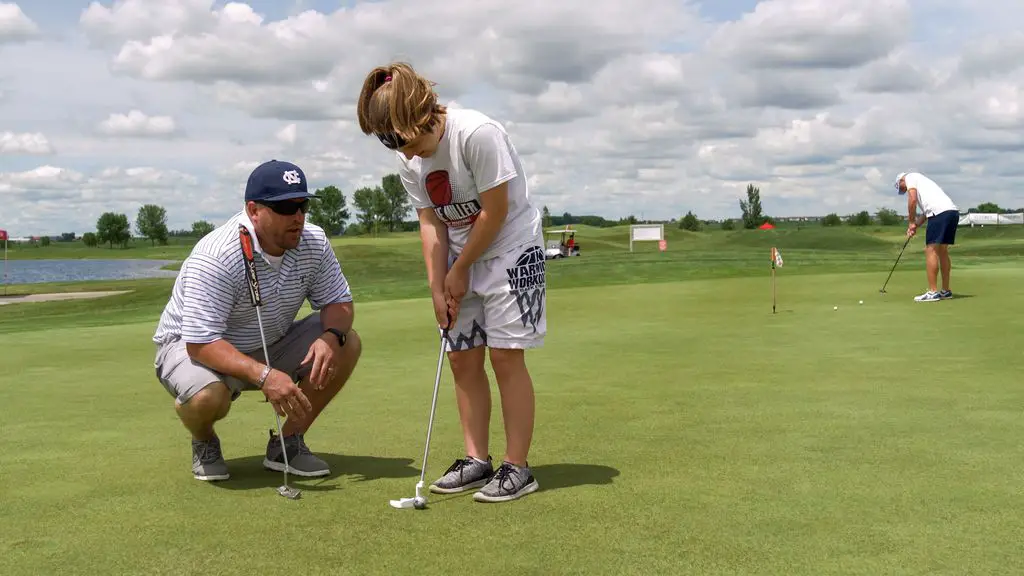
(15, 26)
(127, 20)
(26, 143)
(136, 124)
(288, 134)
(834, 34)
(652, 107)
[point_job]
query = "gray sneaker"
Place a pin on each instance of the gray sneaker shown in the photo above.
(207, 461)
(464, 474)
(509, 482)
(301, 462)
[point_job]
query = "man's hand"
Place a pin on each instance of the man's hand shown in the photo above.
(286, 398)
(322, 354)
(911, 230)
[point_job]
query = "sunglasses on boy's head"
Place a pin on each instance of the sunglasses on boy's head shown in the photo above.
(288, 207)
(391, 141)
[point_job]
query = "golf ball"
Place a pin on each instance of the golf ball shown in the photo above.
(419, 503)
(861, 301)
(835, 307)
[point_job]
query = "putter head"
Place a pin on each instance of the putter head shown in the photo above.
(289, 493)
(419, 502)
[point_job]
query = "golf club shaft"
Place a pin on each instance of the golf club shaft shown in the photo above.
(433, 404)
(895, 263)
(277, 417)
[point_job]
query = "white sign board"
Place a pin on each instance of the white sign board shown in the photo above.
(645, 233)
(991, 219)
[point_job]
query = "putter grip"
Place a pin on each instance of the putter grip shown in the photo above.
(245, 239)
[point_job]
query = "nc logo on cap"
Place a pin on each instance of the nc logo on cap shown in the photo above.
(291, 177)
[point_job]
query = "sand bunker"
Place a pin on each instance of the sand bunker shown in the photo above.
(57, 296)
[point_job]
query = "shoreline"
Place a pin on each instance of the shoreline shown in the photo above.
(55, 296)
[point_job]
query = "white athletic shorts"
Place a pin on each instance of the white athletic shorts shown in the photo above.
(506, 304)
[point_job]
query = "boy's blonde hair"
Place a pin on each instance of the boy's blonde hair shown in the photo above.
(395, 100)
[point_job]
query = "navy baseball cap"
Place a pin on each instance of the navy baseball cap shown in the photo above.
(276, 180)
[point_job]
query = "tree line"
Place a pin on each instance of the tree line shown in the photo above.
(386, 207)
(753, 216)
(376, 209)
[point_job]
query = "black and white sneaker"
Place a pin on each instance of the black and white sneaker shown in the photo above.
(464, 474)
(509, 482)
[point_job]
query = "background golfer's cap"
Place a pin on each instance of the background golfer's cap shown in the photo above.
(899, 177)
(276, 180)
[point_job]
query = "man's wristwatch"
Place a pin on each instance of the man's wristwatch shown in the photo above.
(339, 334)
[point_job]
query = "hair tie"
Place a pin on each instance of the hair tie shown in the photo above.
(387, 78)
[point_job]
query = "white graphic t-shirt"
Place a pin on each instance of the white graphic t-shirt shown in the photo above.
(930, 197)
(474, 155)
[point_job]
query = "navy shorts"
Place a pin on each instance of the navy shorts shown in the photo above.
(942, 228)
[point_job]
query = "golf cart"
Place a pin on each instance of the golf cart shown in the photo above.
(565, 247)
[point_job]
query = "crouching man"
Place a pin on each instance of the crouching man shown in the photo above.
(209, 348)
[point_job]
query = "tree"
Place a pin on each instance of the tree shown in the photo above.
(545, 215)
(373, 208)
(862, 218)
(90, 240)
(113, 228)
(151, 223)
(728, 224)
(329, 212)
(396, 202)
(832, 219)
(888, 217)
(989, 208)
(690, 222)
(751, 208)
(201, 228)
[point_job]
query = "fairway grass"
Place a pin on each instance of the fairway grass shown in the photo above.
(682, 428)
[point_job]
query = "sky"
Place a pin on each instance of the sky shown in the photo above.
(651, 108)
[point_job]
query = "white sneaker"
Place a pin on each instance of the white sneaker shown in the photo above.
(928, 296)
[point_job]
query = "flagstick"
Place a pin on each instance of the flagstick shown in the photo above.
(773, 280)
(5, 266)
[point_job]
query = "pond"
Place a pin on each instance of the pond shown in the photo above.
(37, 271)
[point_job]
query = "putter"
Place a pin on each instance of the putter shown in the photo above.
(419, 502)
(895, 263)
(254, 295)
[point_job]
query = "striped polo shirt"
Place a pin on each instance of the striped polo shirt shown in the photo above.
(210, 300)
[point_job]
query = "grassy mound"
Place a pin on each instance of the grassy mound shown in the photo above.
(841, 239)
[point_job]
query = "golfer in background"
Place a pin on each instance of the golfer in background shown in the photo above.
(484, 252)
(208, 341)
(942, 216)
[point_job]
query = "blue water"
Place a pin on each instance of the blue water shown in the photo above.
(37, 271)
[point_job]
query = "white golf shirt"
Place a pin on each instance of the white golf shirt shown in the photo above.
(474, 155)
(210, 299)
(930, 197)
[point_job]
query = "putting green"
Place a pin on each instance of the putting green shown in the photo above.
(681, 428)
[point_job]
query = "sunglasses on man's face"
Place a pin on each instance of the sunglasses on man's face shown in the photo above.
(288, 207)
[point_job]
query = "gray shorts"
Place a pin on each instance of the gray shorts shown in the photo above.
(183, 377)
